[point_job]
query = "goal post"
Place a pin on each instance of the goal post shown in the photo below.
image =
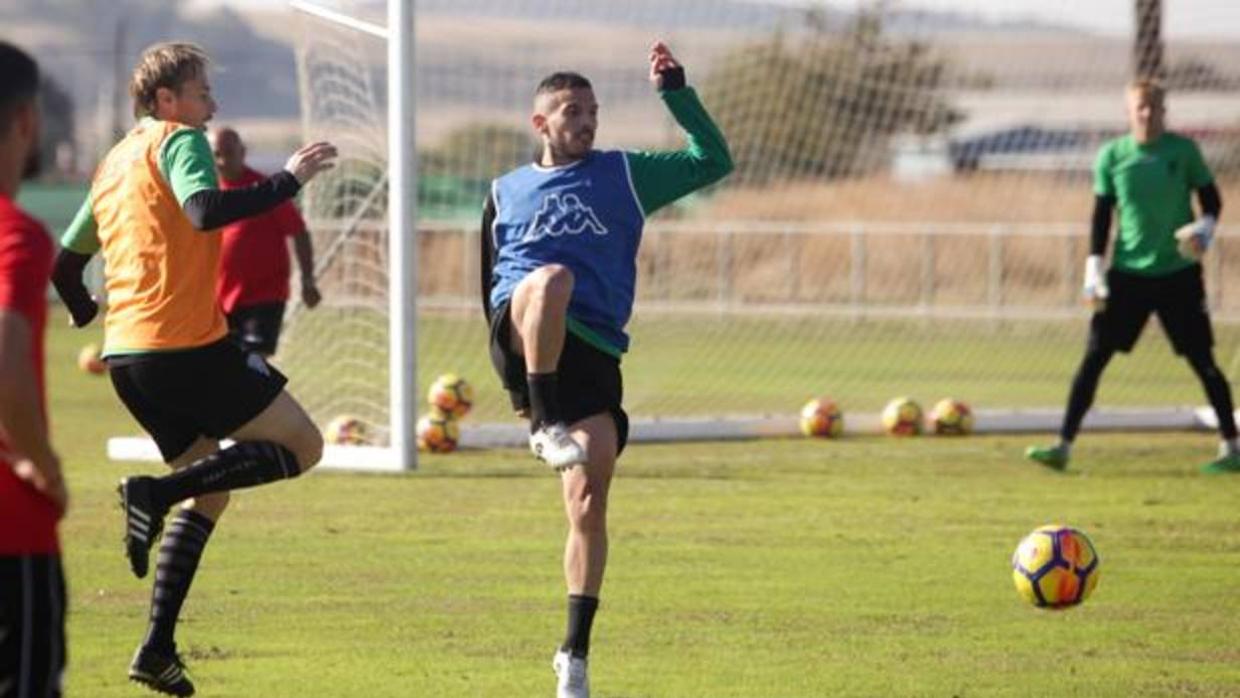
(384, 190)
(402, 233)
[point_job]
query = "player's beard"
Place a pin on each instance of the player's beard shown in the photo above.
(34, 164)
(584, 143)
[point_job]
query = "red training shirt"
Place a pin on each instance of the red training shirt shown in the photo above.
(254, 259)
(27, 518)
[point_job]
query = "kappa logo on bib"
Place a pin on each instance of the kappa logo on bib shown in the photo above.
(563, 214)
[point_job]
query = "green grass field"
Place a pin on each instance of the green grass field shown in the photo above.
(864, 567)
(752, 365)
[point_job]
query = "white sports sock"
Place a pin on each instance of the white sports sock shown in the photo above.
(1228, 447)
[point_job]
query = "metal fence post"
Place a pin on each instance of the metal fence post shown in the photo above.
(927, 269)
(857, 271)
(1069, 276)
(994, 278)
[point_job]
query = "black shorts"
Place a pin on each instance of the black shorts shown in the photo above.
(178, 396)
(257, 327)
(589, 380)
(1179, 300)
(32, 626)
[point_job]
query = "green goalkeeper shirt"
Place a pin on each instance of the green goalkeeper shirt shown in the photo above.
(1151, 183)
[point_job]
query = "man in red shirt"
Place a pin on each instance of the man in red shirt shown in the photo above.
(254, 265)
(32, 492)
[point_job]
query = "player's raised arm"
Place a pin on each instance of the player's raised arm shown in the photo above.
(665, 176)
(211, 208)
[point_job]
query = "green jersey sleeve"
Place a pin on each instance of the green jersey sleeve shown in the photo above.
(661, 177)
(82, 235)
(1104, 184)
(187, 164)
(1198, 171)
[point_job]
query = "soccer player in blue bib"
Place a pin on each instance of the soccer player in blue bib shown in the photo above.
(559, 251)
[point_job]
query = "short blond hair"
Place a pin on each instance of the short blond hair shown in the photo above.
(1150, 88)
(171, 65)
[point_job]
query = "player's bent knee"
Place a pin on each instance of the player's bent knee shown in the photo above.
(309, 449)
(554, 281)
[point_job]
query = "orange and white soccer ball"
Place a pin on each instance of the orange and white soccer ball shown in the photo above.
(438, 432)
(347, 430)
(1055, 567)
(902, 417)
(951, 418)
(89, 360)
(451, 394)
(822, 417)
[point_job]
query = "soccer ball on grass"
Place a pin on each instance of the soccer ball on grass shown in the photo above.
(347, 430)
(822, 417)
(451, 395)
(438, 432)
(902, 417)
(951, 417)
(1055, 567)
(89, 360)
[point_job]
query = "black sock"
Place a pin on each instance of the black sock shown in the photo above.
(1084, 387)
(245, 464)
(544, 399)
(580, 619)
(184, 540)
(1218, 391)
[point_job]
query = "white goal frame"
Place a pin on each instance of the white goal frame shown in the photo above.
(402, 452)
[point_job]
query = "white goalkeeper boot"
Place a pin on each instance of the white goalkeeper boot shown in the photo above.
(572, 679)
(553, 445)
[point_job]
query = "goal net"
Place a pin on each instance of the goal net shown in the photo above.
(909, 213)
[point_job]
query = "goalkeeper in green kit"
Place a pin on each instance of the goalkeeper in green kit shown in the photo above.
(1149, 174)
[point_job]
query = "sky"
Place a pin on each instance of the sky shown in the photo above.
(1218, 18)
(1181, 18)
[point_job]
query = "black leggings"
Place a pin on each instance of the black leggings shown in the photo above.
(1085, 386)
(1217, 389)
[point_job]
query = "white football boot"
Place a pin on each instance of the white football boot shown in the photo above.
(572, 681)
(553, 445)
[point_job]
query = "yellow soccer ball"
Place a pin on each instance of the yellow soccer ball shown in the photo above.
(902, 417)
(951, 417)
(438, 432)
(89, 360)
(1055, 567)
(347, 430)
(451, 394)
(821, 417)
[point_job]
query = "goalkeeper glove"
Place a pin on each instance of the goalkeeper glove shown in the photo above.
(1095, 287)
(1193, 239)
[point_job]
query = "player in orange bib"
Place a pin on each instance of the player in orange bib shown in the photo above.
(153, 209)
